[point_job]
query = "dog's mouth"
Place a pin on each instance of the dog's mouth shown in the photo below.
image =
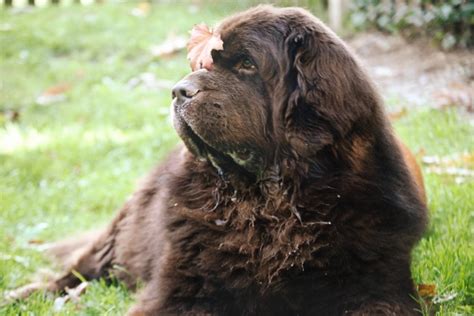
(200, 147)
(222, 159)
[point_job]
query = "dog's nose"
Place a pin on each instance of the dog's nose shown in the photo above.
(184, 90)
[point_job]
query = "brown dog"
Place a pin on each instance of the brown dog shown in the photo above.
(291, 195)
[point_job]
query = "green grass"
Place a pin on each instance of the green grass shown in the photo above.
(66, 167)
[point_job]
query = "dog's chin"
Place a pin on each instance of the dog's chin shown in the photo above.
(224, 161)
(193, 142)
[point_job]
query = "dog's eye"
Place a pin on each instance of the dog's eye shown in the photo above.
(246, 64)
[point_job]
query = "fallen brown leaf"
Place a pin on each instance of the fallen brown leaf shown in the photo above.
(36, 242)
(201, 43)
(53, 94)
(394, 116)
(427, 290)
(58, 89)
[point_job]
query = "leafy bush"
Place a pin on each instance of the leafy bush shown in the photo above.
(450, 22)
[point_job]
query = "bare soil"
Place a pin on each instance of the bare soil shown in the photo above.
(417, 73)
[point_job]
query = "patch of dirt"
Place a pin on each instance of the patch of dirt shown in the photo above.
(416, 72)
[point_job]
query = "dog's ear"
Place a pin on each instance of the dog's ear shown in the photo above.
(327, 92)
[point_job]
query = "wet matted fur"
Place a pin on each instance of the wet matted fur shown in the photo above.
(291, 195)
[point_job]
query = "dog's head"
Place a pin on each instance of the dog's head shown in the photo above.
(281, 88)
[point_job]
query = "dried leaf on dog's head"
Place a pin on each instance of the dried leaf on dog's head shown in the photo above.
(203, 40)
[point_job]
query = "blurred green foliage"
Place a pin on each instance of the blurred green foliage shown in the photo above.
(450, 23)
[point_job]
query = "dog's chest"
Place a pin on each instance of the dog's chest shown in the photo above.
(247, 240)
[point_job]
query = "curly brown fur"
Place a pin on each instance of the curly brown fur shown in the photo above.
(291, 197)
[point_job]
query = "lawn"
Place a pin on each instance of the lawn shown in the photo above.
(66, 166)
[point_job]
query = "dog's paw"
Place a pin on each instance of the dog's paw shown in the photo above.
(26, 290)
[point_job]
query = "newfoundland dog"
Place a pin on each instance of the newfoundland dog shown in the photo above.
(290, 195)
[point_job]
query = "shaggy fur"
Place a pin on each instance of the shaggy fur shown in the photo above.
(291, 195)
